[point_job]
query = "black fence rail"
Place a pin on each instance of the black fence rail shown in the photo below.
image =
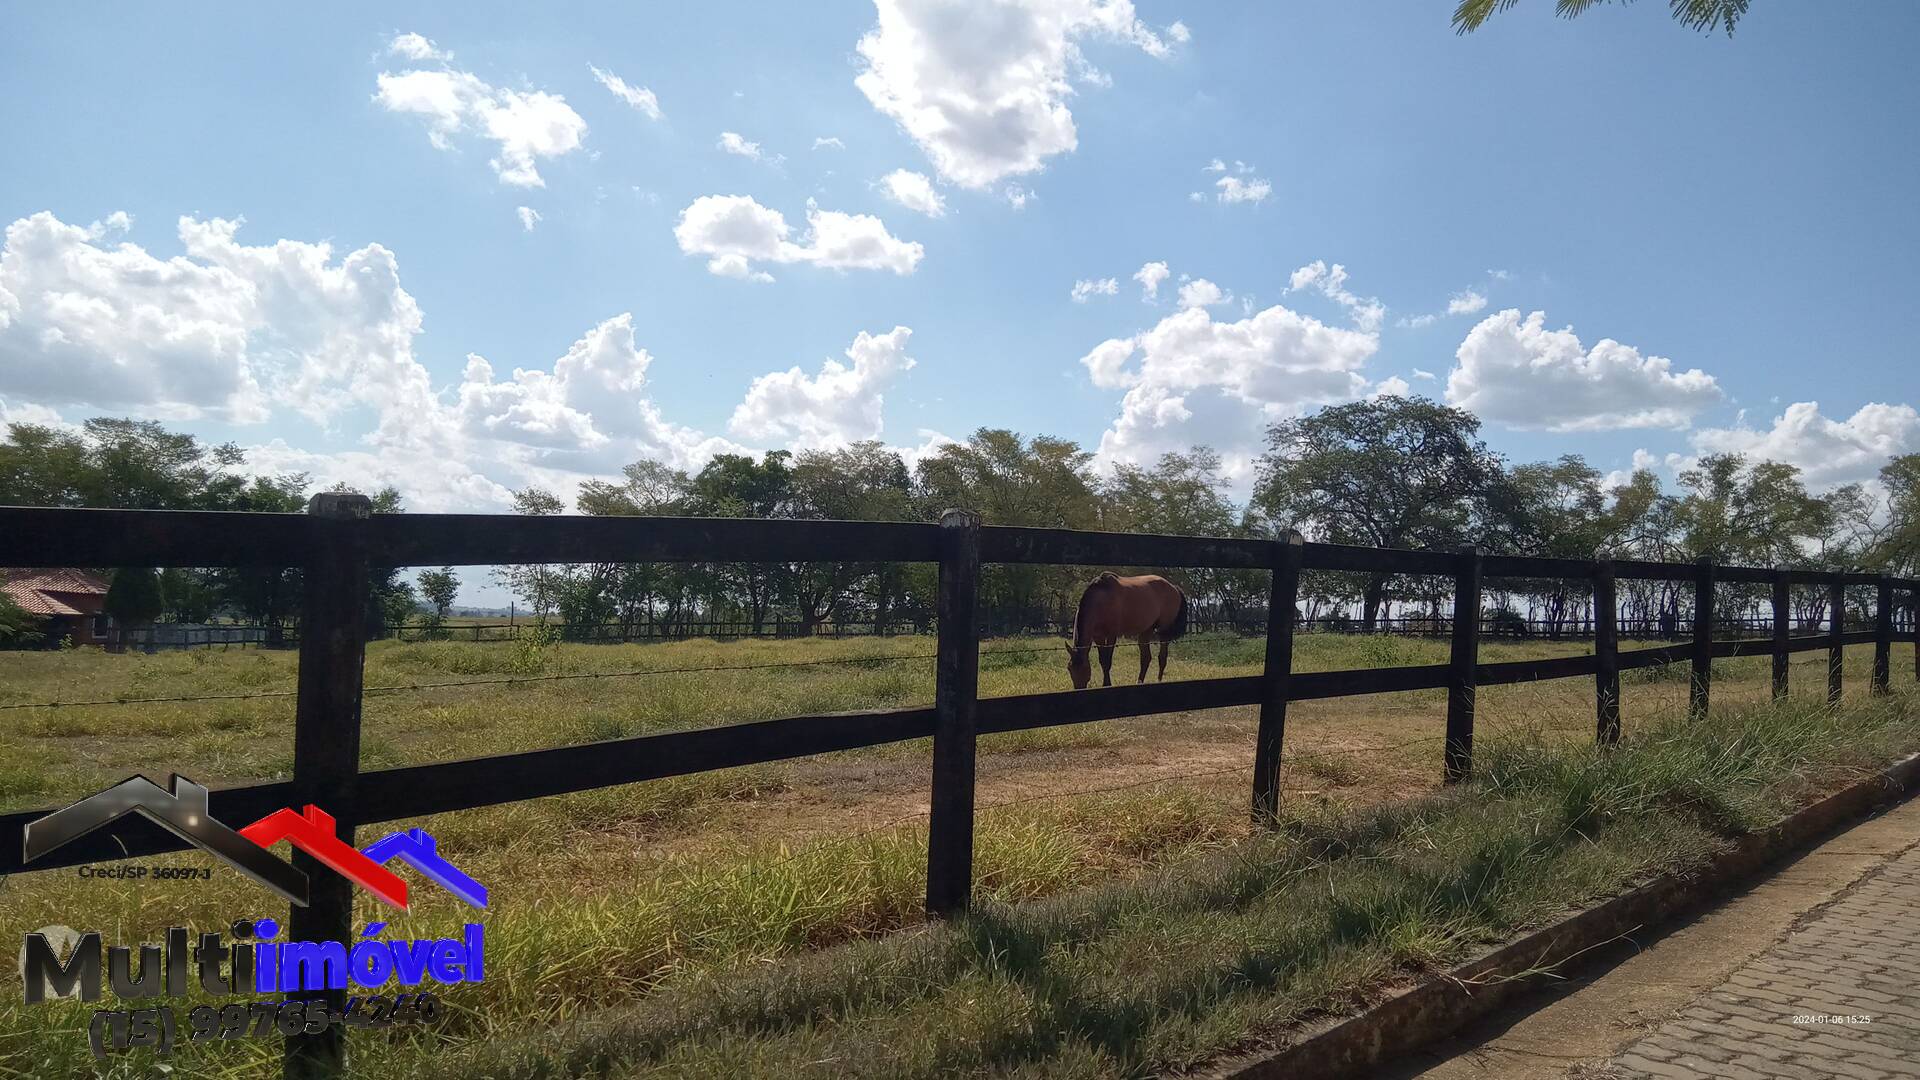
(339, 539)
(1499, 625)
(1252, 624)
(1493, 624)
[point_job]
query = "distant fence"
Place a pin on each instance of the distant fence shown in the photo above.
(339, 539)
(169, 636)
(164, 636)
(1252, 623)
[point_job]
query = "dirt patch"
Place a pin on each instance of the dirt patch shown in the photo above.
(1336, 753)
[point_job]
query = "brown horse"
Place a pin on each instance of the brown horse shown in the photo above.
(1147, 608)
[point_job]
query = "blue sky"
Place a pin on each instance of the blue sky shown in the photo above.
(1742, 208)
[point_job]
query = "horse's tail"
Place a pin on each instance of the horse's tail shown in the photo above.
(1179, 627)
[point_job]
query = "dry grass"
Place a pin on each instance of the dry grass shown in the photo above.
(601, 898)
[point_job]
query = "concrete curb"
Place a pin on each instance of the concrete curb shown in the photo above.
(1441, 1006)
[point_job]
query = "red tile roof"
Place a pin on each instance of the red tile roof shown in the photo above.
(54, 592)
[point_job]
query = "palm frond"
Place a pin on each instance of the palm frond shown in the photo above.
(1471, 13)
(1568, 9)
(1705, 16)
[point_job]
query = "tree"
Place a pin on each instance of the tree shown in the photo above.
(1705, 16)
(268, 596)
(638, 590)
(190, 596)
(536, 583)
(1757, 513)
(42, 466)
(1043, 483)
(118, 463)
(1562, 509)
(862, 482)
(17, 628)
(1183, 494)
(133, 599)
(1896, 548)
(439, 587)
(650, 487)
(390, 600)
(1385, 472)
(735, 485)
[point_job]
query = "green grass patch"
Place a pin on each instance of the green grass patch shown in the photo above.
(1118, 934)
(1204, 952)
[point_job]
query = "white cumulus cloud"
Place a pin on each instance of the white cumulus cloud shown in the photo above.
(1192, 380)
(839, 405)
(736, 234)
(208, 333)
(913, 191)
(238, 333)
(1201, 293)
(1332, 283)
(525, 127)
(1150, 276)
(529, 217)
(1085, 288)
(983, 88)
(1515, 371)
(416, 47)
(638, 97)
(1618, 478)
(1232, 189)
(734, 143)
(1827, 451)
(589, 411)
(1466, 303)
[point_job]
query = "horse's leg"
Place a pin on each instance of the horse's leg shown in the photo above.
(1106, 665)
(1146, 657)
(1164, 646)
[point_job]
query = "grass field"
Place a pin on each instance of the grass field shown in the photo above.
(608, 904)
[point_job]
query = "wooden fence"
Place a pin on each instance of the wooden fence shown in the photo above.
(338, 539)
(170, 637)
(1246, 624)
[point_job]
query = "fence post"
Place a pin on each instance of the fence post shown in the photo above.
(1606, 652)
(1458, 762)
(1700, 686)
(1782, 617)
(1836, 637)
(326, 742)
(956, 688)
(1282, 595)
(1883, 635)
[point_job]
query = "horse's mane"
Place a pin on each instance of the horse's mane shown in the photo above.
(1080, 615)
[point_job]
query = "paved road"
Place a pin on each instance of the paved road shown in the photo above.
(1835, 932)
(1839, 997)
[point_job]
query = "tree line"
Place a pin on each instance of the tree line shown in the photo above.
(126, 464)
(1391, 472)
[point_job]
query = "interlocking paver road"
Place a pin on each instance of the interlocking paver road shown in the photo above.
(1839, 997)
